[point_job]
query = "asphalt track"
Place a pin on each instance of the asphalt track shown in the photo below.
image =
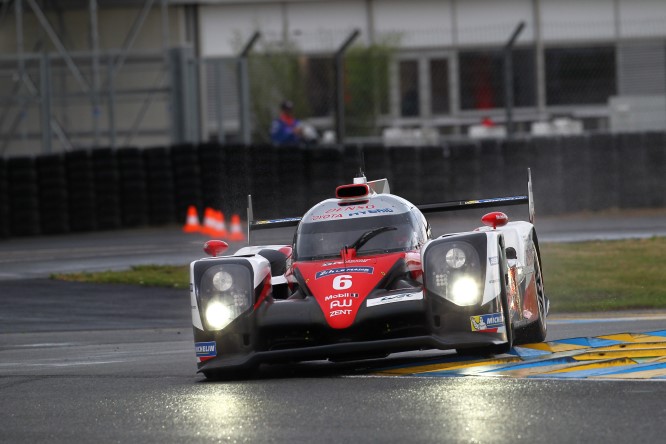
(82, 362)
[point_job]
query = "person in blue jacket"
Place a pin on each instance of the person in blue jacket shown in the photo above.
(286, 129)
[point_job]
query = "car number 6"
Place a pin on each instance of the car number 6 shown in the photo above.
(342, 282)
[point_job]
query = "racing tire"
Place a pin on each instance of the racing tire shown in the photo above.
(537, 330)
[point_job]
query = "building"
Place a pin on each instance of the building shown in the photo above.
(600, 62)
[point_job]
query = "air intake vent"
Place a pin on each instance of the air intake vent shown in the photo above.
(352, 191)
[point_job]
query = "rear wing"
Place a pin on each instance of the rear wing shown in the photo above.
(426, 208)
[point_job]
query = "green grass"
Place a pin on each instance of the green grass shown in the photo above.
(605, 275)
(578, 277)
(149, 275)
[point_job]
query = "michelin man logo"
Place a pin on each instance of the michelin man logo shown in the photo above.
(487, 322)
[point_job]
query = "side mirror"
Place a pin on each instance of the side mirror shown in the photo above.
(215, 247)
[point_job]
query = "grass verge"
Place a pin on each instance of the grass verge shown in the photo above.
(578, 276)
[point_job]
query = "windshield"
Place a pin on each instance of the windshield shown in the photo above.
(321, 240)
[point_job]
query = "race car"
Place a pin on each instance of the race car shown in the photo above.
(363, 278)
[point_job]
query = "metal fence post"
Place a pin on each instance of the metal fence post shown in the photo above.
(244, 89)
(340, 87)
(45, 102)
(508, 78)
(219, 101)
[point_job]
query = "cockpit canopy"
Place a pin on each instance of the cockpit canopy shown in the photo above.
(381, 224)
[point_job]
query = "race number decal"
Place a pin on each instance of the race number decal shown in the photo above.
(342, 282)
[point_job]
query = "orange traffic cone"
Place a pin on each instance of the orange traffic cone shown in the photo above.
(236, 233)
(220, 226)
(209, 222)
(192, 221)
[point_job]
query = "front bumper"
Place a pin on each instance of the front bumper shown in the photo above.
(296, 330)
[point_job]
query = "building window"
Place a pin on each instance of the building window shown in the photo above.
(409, 88)
(580, 75)
(482, 79)
(439, 86)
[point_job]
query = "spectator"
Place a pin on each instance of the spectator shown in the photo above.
(286, 129)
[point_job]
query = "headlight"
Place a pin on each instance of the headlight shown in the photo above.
(218, 315)
(222, 280)
(455, 257)
(453, 269)
(465, 291)
(225, 292)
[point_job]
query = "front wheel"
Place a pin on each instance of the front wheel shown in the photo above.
(536, 331)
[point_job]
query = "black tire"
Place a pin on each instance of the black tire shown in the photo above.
(537, 330)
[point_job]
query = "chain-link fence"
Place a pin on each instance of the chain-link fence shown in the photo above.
(116, 102)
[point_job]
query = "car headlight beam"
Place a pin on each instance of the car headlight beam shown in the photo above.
(465, 291)
(218, 315)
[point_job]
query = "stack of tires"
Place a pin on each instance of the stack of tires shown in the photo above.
(160, 186)
(53, 196)
(406, 167)
(291, 174)
(465, 165)
(324, 167)
(213, 174)
(23, 197)
(132, 189)
(80, 191)
(435, 175)
(264, 186)
(187, 179)
(107, 188)
(4, 201)
(239, 171)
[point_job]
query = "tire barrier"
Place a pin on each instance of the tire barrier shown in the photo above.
(133, 194)
(129, 187)
(239, 172)
(106, 180)
(264, 186)
(187, 179)
(655, 152)
(634, 180)
(159, 186)
(80, 191)
(292, 189)
(53, 195)
(323, 173)
(4, 201)
(213, 174)
(23, 193)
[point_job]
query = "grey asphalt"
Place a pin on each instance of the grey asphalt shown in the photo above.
(114, 363)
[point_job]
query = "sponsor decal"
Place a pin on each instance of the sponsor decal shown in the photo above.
(349, 208)
(331, 297)
(366, 212)
(338, 313)
(487, 323)
(324, 273)
(493, 260)
(351, 261)
(402, 297)
(340, 303)
(326, 216)
(275, 221)
(205, 349)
